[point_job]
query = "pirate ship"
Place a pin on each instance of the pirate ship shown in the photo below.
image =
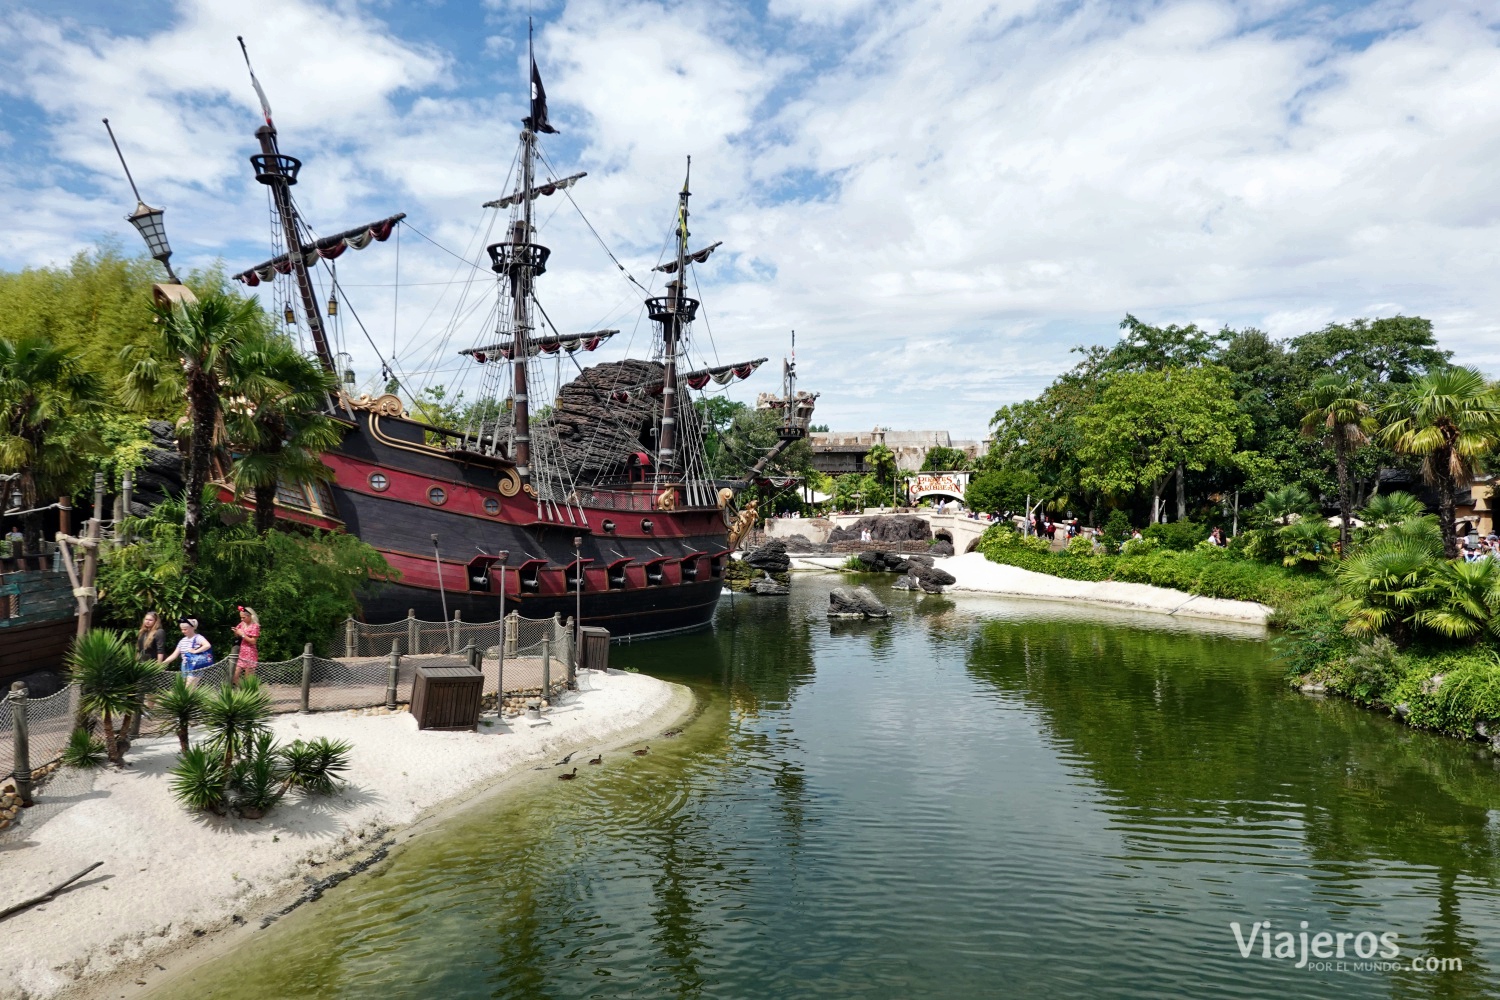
(605, 504)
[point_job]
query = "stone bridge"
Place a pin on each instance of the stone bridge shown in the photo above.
(961, 530)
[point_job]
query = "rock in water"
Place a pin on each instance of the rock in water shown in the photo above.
(919, 560)
(770, 557)
(767, 587)
(859, 602)
(931, 579)
(907, 582)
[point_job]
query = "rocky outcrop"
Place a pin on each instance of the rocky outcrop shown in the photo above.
(890, 528)
(803, 544)
(767, 587)
(605, 415)
(858, 602)
(162, 473)
(770, 557)
(942, 547)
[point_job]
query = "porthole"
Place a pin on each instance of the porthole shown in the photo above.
(378, 482)
(491, 506)
(436, 496)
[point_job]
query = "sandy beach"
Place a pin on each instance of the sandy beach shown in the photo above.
(172, 878)
(973, 572)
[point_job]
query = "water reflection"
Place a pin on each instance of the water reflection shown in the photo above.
(974, 798)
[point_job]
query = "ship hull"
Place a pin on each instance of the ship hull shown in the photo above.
(618, 557)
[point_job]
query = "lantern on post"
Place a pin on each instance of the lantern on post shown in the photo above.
(288, 315)
(145, 219)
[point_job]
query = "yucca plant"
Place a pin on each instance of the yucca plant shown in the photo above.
(178, 708)
(200, 780)
(235, 716)
(315, 766)
(112, 681)
(84, 751)
(256, 780)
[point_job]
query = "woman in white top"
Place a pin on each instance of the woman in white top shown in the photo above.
(195, 650)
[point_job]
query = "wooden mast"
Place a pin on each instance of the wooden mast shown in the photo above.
(673, 312)
(279, 173)
(520, 289)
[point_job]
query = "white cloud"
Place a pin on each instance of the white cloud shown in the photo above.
(942, 197)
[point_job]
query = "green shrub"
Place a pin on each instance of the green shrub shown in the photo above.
(1176, 535)
(178, 708)
(1116, 529)
(1469, 692)
(84, 751)
(1080, 547)
(1139, 546)
(1374, 669)
(853, 564)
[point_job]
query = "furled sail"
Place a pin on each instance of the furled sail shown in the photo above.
(547, 344)
(544, 188)
(696, 257)
(327, 248)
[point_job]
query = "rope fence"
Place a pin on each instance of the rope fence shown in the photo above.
(534, 659)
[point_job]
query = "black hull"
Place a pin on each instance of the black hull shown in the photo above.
(633, 614)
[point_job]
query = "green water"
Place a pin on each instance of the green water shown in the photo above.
(978, 798)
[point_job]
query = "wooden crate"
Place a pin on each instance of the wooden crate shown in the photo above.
(594, 654)
(447, 698)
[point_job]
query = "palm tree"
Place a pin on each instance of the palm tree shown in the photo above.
(201, 340)
(1384, 586)
(1280, 505)
(1466, 598)
(882, 461)
(1450, 417)
(42, 388)
(1386, 510)
(1337, 414)
(275, 419)
(112, 680)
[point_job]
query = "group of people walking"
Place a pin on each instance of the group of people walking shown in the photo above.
(193, 653)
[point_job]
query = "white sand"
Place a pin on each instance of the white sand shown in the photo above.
(976, 573)
(167, 872)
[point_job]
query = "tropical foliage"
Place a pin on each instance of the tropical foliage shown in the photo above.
(112, 684)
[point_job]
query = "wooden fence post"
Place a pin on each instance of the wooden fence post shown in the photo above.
(458, 626)
(471, 655)
(349, 637)
(500, 667)
(307, 658)
(412, 646)
(22, 771)
(392, 673)
(572, 657)
(546, 670)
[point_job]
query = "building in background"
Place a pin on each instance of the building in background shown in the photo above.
(841, 452)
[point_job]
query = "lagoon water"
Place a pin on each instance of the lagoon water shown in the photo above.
(977, 798)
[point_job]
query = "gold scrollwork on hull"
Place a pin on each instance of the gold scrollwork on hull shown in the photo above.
(386, 404)
(510, 483)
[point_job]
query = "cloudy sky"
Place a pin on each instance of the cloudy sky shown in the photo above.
(941, 197)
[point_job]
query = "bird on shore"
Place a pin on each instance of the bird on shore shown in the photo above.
(597, 760)
(564, 761)
(643, 751)
(670, 733)
(569, 776)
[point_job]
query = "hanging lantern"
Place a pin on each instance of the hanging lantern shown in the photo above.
(289, 316)
(333, 304)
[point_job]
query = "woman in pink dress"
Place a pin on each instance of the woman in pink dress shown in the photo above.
(248, 631)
